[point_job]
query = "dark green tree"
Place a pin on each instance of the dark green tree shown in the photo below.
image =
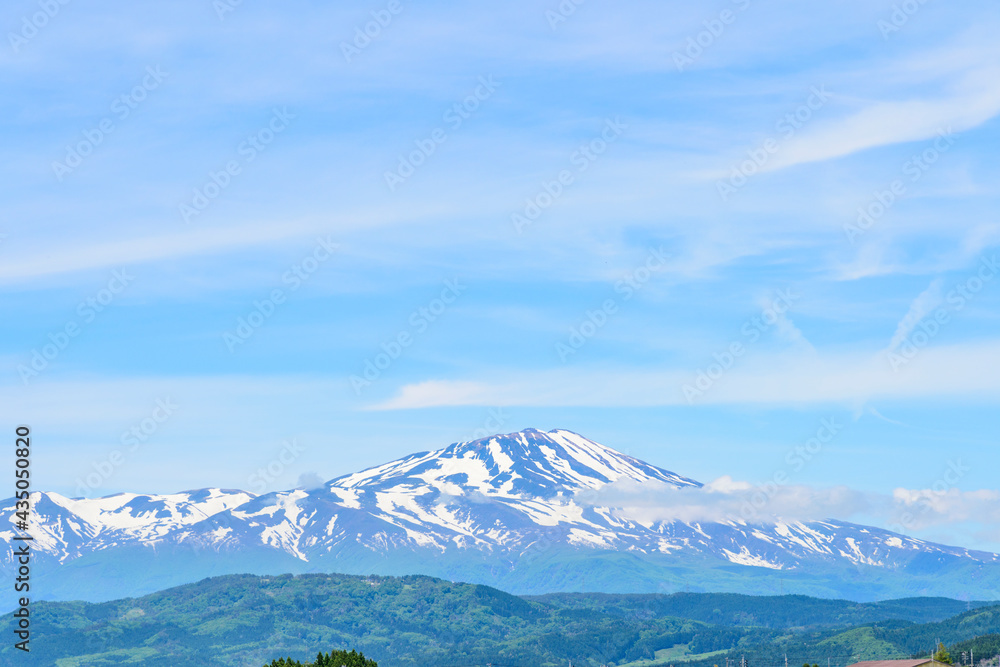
(332, 659)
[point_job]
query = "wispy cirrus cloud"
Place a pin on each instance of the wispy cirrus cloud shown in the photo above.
(804, 379)
(141, 250)
(970, 99)
(923, 305)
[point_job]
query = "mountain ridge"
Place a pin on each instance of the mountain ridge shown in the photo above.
(515, 510)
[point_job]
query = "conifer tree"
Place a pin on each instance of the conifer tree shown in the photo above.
(942, 655)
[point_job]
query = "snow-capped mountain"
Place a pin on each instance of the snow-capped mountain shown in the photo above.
(520, 511)
(68, 528)
(493, 494)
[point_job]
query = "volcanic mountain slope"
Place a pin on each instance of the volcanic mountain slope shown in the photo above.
(498, 493)
(520, 511)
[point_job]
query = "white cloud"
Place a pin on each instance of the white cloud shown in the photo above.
(72, 257)
(885, 255)
(310, 481)
(973, 101)
(924, 304)
(727, 499)
(943, 506)
(803, 378)
(786, 330)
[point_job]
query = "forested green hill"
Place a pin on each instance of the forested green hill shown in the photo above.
(250, 620)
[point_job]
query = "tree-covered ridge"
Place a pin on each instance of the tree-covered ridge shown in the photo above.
(785, 611)
(330, 659)
(985, 646)
(247, 621)
(875, 641)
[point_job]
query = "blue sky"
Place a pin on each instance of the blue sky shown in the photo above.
(689, 232)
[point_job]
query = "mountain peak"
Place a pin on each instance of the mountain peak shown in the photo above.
(529, 462)
(505, 508)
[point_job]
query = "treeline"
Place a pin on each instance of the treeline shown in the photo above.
(331, 659)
